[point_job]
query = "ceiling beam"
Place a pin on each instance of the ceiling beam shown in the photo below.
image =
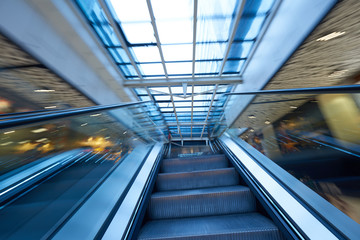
(232, 35)
(208, 113)
(194, 36)
(179, 81)
(115, 27)
(156, 34)
(177, 120)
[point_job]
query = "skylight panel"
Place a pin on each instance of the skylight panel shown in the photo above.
(147, 54)
(131, 11)
(265, 6)
(152, 69)
(240, 50)
(207, 67)
(161, 90)
(255, 27)
(177, 90)
(179, 68)
(209, 8)
(172, 9)
(175, 31)
(213, 29)
(162, 98)
(181, 52)
(210, 51)
(139, 32)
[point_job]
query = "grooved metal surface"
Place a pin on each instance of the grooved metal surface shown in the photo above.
(194, 164)
(239, 226)
(197, 179)
(201, 202)
(200, 198)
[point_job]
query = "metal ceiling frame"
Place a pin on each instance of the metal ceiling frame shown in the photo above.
(193, 80)
(157, 82)
(232, 35)
(208, 113)
(116, 27)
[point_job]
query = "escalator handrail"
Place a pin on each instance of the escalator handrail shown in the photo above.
(45, 116)
(313, 90)
(323, 210)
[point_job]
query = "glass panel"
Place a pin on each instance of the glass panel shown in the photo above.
(129, 70)
(160, 90)
(210, 51)
(233, 66)
(52, 166)
(131, 11)
(208, 67)
(214, 29)
(152, 69)
(240, 50)
(175, 31)
(179, 68)
(119, 55)
(172, 9)
(265, 6)
(147, 54)
(255, 27)
(315, 138)
(177, 52)
(161, 98)
(139, 32)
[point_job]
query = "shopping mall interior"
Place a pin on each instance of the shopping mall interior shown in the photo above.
(179, 119)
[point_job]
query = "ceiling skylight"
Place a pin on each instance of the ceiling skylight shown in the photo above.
(163, 45)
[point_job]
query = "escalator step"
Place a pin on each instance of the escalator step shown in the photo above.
(250, 226)
(197, 179)
(201, 202)
(194, 164)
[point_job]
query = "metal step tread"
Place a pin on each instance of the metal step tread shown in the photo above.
(197, 179)
(194, 164)
(195, 157)
(237, 226)
(201, 202)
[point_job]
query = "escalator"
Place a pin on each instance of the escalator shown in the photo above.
(40, 209)
(203, 197)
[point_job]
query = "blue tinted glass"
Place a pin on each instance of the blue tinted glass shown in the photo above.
(119, 55)
(129, 70)
(240, 50)
(207, 67)
(233, 66)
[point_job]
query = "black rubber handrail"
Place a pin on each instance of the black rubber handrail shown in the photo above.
(45, 116)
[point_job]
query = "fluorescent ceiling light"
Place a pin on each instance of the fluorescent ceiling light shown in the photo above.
(330, 36)
(5, 144)
(338, 73)
(44, 90)
(42, 140)
(39, 130)
(8, 132)
(50, 107)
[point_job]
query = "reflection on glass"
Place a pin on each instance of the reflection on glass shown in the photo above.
(316, 139)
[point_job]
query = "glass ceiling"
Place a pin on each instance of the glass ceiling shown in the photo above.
(188, 47)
